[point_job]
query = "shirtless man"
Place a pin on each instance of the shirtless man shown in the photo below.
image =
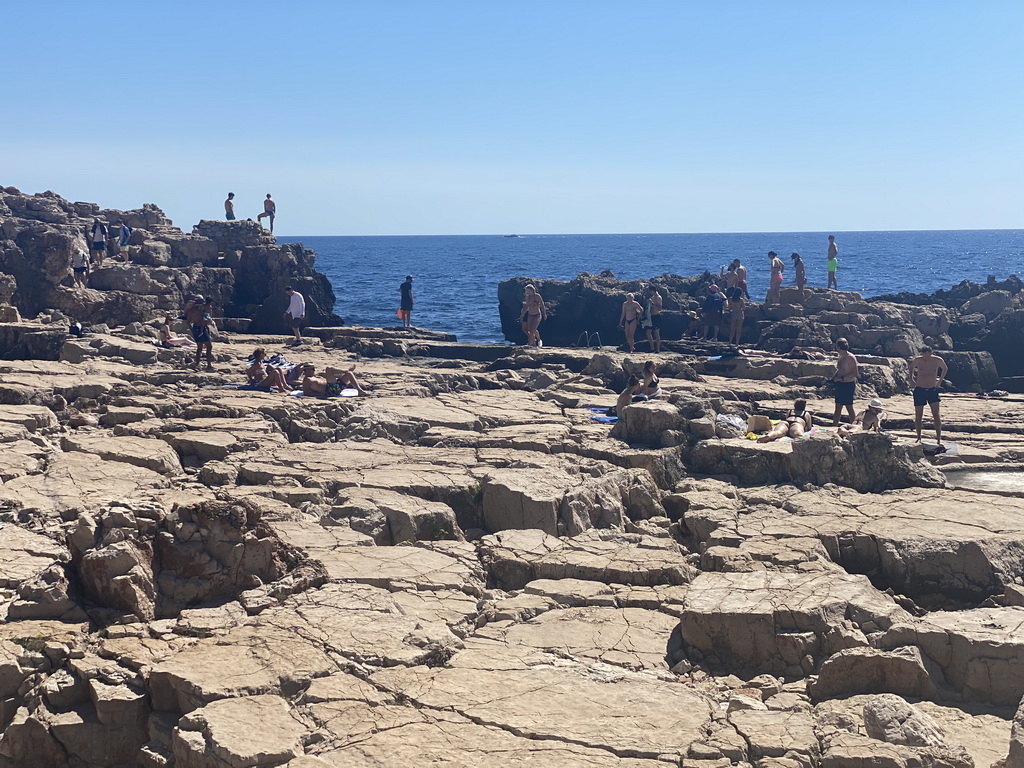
(927, 373)
(229, 207)
(333, 381)
(844, 380)
(629, 319)
(801, 274)
(197, 313)
(652, 319)
(741, 278)
(775, 285)
(269, 209)
(833, 262)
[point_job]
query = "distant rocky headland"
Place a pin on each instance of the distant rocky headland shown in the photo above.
(474, 565)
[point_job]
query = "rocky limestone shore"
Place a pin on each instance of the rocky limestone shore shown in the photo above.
(466, 569)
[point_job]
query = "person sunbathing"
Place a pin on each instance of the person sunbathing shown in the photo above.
(868, 420)
(168, 339)
(625, 397)
(260, 374)
(651, 386)
(331, 383)
(797, 423)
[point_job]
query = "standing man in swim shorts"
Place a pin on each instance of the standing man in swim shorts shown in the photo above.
(197, 313)
(844, 381)
(124, 235)
(652, 319)
(229, 207)
(775, 286)
(833, 262)
(406, 302)
(269, 209)
(295, 313)
(927, 373)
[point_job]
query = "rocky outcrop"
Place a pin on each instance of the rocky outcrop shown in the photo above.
(235, 264)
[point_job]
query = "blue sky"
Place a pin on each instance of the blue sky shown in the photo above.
(437, 117)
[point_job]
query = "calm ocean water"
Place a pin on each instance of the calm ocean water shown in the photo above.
(456, 277)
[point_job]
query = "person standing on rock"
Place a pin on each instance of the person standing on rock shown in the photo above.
(98, 241)
(229, 207)
(80, 266)
(801, 274)
(532, 313)
(775, 284)
(652, 319)
(734, 302)
(629, 319)
(197, 313)
(124, 235)
(295, 313)
(711, 311)
(405, 302)
(833, 262)
(741, 276)
(927, 373)
(269, 209)
(844, 381)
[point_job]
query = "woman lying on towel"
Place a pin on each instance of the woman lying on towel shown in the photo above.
(797, 423)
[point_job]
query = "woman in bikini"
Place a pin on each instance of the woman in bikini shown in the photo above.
(629, 319)
(734, 296)
(651, 386)
(168, 339)
(533, 312)
(262, 375)
(797, 423)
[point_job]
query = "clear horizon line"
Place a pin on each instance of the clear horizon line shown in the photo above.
(735, 232)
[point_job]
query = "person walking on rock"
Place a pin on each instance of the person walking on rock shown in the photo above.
(295, 313)
(197, 313)
(844, 381)
(80, 267)
(532, 313)
(98, 241)
(801, 274)
(629, 319)
(405, 302)
(775, 284)
(269, 209)
(927, 373)
(124, 235)
(652, 319)
(229, 207)
(833, 262)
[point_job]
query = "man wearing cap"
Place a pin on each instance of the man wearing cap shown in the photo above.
(868, 420)
(927, 373)
(712, 311)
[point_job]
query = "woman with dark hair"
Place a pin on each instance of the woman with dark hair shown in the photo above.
(651, 386)
(262, 375)
(797, 423)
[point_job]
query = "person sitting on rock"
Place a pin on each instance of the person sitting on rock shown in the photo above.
(625, 396)
(797, 423)
(168, 339)
(262, 375)
(868, 420)
(651, 386)
(332, 383)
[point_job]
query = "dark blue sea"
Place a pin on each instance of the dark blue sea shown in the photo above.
(456, 277)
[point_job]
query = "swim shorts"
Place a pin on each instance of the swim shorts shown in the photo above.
(81, 269)
(713, 318)
(229, 216)
(99, 245)
(201, 334)
(926, 395)
(334, 388)
(123, 248)
(655, 322)
(844, 391)
(296, 322)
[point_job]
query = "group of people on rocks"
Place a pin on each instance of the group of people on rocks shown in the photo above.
(927, 373)
(97, 237)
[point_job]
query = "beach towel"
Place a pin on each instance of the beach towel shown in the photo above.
(344, 393)
(605, 419)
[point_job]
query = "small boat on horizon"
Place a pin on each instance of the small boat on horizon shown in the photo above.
(511, 235)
